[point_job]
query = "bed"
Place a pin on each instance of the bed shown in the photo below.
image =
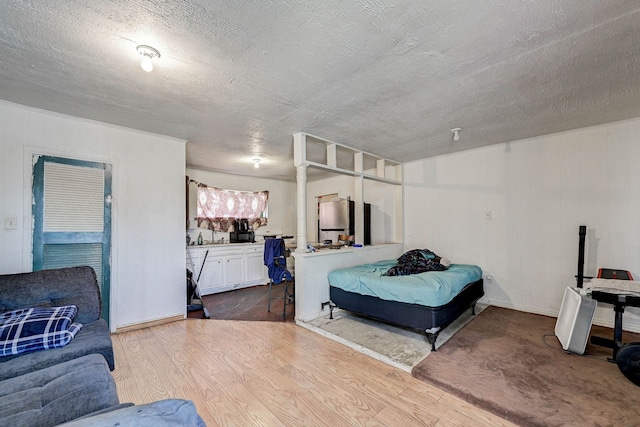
(427, 302)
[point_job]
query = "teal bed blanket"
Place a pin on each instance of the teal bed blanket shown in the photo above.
(431, 288)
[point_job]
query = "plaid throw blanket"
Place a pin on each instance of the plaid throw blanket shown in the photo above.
(31, 329)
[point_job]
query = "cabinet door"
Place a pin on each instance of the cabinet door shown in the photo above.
(194, 259)
(255, 268)
(212, 277)
(233, 270)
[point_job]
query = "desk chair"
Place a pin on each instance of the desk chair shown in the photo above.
(276, 261)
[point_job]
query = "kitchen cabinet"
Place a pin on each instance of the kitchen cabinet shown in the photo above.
(233, 271)
(254, 265)
(228, 266)
(212, 278)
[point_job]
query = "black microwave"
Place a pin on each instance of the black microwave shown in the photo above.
(242, 237)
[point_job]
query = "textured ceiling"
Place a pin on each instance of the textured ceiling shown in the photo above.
(237, 78)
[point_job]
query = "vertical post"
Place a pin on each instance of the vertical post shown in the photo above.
(381, 166)
(358, 197)
(332, 155)
(301, 180)
(581, 233)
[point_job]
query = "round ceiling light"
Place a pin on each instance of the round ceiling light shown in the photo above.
(456, 133)
(148, 54)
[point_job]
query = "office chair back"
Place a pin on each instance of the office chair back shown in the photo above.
(275, 258)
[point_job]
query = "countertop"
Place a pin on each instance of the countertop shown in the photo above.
(221, 245)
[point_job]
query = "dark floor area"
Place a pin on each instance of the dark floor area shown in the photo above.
(246, 304)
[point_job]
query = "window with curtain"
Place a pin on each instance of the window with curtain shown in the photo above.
(218, 208)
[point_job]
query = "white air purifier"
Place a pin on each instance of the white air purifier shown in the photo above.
(574, 320)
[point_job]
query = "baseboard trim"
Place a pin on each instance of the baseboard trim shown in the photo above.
(156, 322)
(598, 320)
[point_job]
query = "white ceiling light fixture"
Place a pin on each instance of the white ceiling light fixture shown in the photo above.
(148, 54)
(456, 133)
(256, 162)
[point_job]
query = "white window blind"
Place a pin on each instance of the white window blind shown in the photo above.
(73, 198)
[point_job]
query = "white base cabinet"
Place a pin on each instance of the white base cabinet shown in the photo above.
(233, 271)
(212, 277)
(228, 267)
(254, 265)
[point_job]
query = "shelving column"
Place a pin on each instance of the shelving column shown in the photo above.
(301, 180)
(299, 161)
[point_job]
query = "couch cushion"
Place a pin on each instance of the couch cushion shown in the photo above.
(93, 338)
(53, 288)
(57, 394)
(37, 328)
(169, 413)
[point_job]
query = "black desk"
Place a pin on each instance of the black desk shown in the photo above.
(620, 300)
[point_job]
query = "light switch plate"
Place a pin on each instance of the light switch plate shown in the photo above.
(10, 223)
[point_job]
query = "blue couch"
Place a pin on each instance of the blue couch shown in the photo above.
(53, 288)
(72, 384)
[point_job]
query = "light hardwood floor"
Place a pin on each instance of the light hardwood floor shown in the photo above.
(243, 373)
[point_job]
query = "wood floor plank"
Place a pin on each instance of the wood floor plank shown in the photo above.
(407, 417)
(463, 411)
(122, 369)
(151, 384)
(291, 406)
(242, 373)
(192, 392)
(443, 422)
(339, 368)
(342, 401)
(238, 407)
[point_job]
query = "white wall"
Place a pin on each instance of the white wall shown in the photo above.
(148, 253)
(386, 211)
(282, 196)
(384, 199)
(312, 269)
(539, 191)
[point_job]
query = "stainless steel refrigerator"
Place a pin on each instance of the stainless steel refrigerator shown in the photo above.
(335, 218)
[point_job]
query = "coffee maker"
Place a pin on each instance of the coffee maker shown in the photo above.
(242, 232)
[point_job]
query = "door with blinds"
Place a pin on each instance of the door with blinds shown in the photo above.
(72, 217)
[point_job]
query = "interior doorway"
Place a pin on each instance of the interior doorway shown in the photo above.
(72, 217)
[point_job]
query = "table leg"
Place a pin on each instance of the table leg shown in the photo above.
(616, 342)
(617, 329)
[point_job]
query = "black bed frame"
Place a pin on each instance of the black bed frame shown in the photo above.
(428, 320)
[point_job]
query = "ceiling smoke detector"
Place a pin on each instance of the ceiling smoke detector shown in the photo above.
(148, 54)
(456, 133)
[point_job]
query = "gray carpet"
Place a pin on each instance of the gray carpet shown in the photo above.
(503, 362)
